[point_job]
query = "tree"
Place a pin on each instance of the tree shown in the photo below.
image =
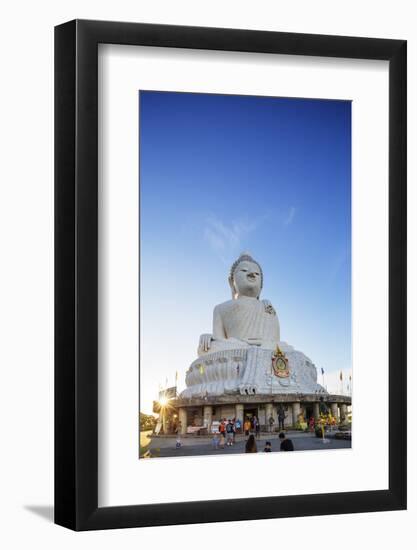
(146, 422)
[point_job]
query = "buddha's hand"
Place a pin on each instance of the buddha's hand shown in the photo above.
(205, 342)
(253, 341)
(269, 307)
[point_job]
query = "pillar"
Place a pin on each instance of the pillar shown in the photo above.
(334, 410)
(182, 418)
(296, 409)
(343, 412)
(269, 411)
(316, 411)
(164, 421)
(288, 414)
(239, 415)
(207, 416)
(239, 411)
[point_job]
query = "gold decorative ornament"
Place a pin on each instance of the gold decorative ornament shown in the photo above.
(280, 364)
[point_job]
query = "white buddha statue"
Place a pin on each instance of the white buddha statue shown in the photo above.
(245, 320)
(240, 354)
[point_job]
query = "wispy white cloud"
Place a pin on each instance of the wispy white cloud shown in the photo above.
(226, 237)
(290, 216)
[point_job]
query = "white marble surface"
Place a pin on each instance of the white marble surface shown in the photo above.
(249, 369)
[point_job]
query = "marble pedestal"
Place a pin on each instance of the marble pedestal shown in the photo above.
(248, 371)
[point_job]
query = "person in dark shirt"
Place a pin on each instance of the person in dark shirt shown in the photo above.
(286, 444)
(230, 430)
(268, 447)
(251, 445)
(281, 418)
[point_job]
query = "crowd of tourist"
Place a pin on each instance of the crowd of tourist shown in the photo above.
(226, 435)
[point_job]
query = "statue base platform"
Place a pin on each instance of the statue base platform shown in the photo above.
(249, 371)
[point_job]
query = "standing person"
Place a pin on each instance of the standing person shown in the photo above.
(215, 441)
(222, 428)
(257, 427)
(271, 423)
(238, 426)
(286, 444)
(251, 445)
(246, 426)
(229, 433)
(312, 423)
(234, 429)
(281, 418)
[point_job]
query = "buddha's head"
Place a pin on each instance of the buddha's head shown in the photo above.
(246, 277)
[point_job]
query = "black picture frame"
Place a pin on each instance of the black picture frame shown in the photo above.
(76, 272)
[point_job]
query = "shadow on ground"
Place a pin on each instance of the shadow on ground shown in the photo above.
(45, 512)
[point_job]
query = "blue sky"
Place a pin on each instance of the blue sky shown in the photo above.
(224, 174)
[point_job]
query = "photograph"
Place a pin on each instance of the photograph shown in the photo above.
(245, 274)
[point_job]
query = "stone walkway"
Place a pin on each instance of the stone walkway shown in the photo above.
(165, 447)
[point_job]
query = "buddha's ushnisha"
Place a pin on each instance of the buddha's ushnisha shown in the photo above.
(245, 320)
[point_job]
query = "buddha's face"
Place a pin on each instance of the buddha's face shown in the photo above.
(247, 279)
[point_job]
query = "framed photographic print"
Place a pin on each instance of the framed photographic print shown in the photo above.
(230, 274)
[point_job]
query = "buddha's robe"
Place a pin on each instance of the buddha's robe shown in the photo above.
(243, 322)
